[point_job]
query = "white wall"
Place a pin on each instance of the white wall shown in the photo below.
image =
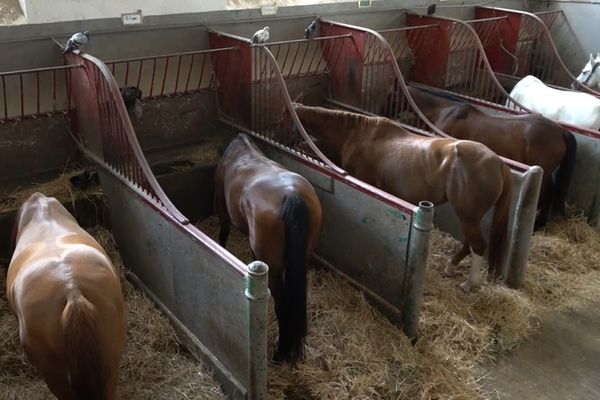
(40, 11)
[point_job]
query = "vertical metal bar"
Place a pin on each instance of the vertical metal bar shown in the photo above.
(22, 95)
(37, 93)
(257, 293)
(4, 97)
(187, 81)
(178, 71)
(126, 72)
(418, 249)
(162, 89)
(139, 79)
(153, 74)
(202, 71)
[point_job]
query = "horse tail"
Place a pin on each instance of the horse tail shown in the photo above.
(564, 173)
(499, 234)
(87, 375)
(296, 220)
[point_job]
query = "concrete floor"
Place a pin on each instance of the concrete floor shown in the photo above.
(562, 362)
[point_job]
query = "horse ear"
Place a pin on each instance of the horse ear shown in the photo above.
(598, 56)
(591, 58)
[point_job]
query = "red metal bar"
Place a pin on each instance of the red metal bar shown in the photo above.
(5, 100)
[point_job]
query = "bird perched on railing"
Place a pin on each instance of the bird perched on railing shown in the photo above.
(310, 30)
(78, 40)
(261, 36)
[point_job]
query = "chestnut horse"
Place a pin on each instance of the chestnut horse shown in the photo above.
(281, 213)
(531, 139)
(67, 297)
(413, 167)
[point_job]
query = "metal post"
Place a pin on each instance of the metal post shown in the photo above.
(257, 293)
(525, 214)
(418, 249)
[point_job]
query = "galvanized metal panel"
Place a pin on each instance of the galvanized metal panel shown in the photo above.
(196, 286)
(584, 190)
(364, 238)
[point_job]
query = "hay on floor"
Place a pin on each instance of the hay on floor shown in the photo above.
(154, 365)
(60, 187)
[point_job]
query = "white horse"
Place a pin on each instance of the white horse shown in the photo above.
(566, 106)
(590, 74)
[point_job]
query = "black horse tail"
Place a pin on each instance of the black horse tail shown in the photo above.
(296, 221)
(499, 233)
(564, 173)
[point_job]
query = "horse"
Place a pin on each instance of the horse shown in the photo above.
(132, 98)
(67, 297)
(467, 174)
(530, 139)
(590, 74)
(281, 213)
(565, 106)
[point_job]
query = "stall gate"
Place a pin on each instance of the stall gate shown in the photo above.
(356, 216)
(370, 81)
(521, 44)
(446, 54)
(218, 304)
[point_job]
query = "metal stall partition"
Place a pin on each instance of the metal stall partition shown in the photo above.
(467, 75)
(375, 240)
(521, 44)
(383, 80)
(32, 105)
(218, 304)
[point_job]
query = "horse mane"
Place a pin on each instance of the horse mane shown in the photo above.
(441, 94)
(349, 117)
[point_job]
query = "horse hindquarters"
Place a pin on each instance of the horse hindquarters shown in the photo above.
(91, 375)
(292, 314)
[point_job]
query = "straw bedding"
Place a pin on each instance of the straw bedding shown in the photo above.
(352, 351)
(154, 365)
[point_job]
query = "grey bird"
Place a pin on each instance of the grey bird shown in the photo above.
(261, 36)
(78, 40)
(310, 30)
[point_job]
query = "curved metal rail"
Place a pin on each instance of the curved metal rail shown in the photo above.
(536, 49)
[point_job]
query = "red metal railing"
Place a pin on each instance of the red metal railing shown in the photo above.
(523, 45)
(101, 110)
(170, 74)
(34, 93)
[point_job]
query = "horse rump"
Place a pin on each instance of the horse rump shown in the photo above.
(293, 324)
(87, 374)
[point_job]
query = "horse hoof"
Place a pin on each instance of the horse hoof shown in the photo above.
(468, 287)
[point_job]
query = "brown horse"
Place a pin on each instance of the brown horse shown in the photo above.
(413, 167)
(281, 213)
(67, 297)
(531, 139)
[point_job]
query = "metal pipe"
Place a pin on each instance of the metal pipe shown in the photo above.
(257, 294)
(414, 281)
(525, 213)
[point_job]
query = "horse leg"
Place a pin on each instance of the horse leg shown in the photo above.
(458, 257)
(224, 219)
(283, 344)
(544, 202)
(53, 369)
(473, 235)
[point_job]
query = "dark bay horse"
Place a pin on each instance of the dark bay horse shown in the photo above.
(467, 174)
(281, 213)
(531, 139)
(67, 297)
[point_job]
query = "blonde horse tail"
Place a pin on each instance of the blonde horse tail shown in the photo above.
(499, 234)
(87, 375)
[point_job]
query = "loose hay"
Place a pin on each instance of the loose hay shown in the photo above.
(60, 187)
(154, 365)
(352, 351)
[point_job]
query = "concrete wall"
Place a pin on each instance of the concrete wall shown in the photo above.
(41, 11)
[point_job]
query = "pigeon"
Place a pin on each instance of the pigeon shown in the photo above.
(261, 36)
(310, 30)
(77, 40)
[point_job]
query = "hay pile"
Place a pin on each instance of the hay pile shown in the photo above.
(60, 187)
(154, 365)
(353, 352)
